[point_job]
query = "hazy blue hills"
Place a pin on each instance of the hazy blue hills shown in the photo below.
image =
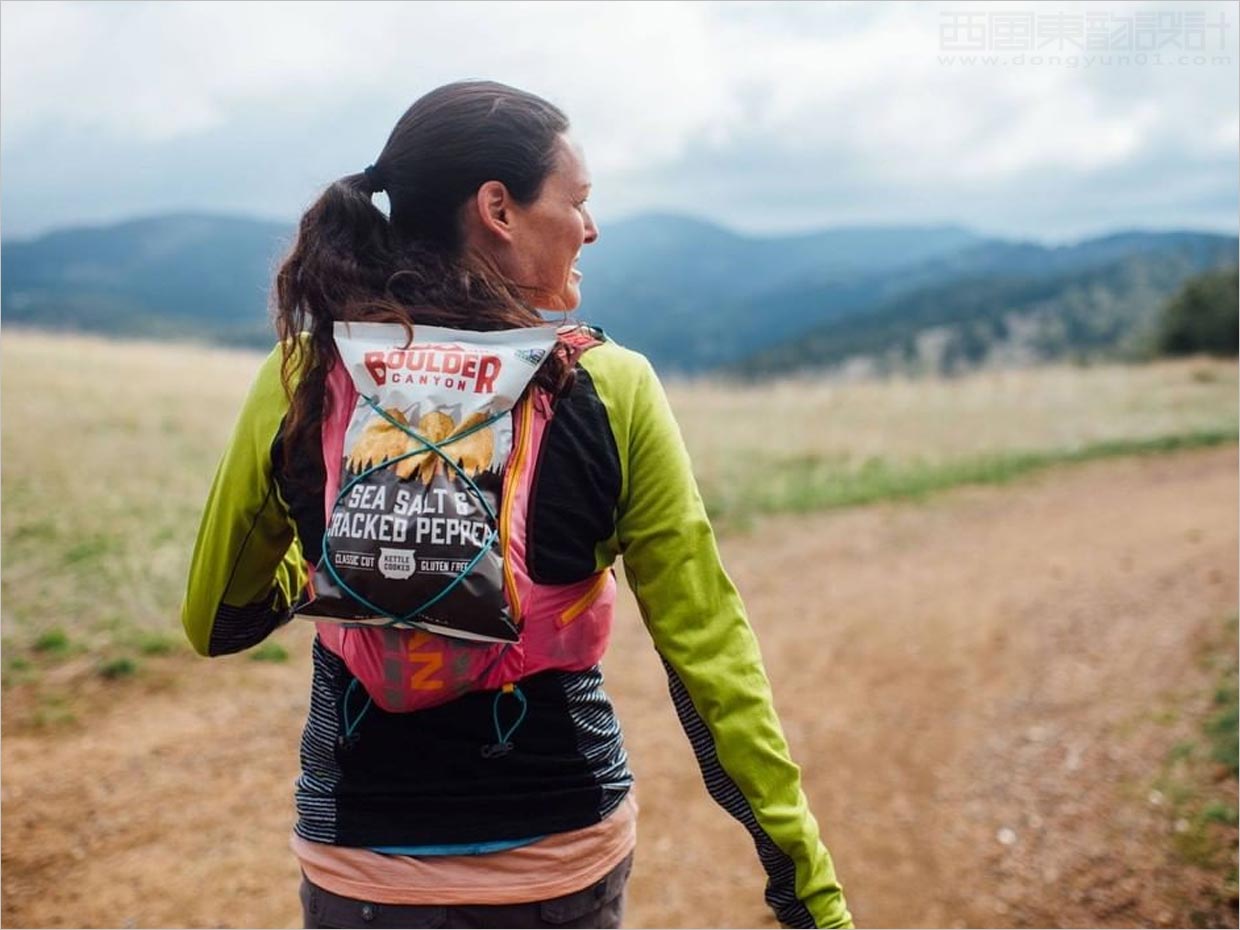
(693, 296)
(690, 294)
(175, 275)
(1005, 303)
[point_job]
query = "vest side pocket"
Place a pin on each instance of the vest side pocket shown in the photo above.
(585, 602)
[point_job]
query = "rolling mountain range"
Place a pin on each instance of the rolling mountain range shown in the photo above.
(691, 295)
(178, 275)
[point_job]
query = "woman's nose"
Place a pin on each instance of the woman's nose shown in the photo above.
(591, 229)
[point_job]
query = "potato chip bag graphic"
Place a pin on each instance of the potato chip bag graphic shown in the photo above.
(473, 452)
(412, 528)
(436, 427)
(380, 441)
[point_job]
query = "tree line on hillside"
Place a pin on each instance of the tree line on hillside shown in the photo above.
(1202, 317)
(1130, 310)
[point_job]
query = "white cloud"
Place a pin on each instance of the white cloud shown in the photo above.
(664, 95)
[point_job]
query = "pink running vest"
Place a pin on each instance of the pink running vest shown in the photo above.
(562, 626)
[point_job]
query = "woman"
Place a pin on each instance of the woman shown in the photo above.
(401, 820)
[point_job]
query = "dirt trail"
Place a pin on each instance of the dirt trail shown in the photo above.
(994, 660)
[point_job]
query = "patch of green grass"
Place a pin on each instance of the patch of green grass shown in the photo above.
(269, 651)
(53, 711)
(17, 670)
(1181, 751)
(53, 642)
(1219, 812)
(89, 549)
(1196, 839)
(1195, 845)
(118, 667)
(806, 483)
(122, 634)
(42, 530)
(155, 644)
(1201, 803)
(1221, 728)
(1177, 791)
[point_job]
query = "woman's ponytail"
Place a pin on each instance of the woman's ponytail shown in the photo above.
(343, 249)
(344, 246)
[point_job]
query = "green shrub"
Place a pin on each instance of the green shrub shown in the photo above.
(1218, 812)
(1202, 317)
(155, 644)
(54, 642)
(119, 667)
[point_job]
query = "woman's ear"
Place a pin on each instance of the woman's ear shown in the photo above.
(494, 209)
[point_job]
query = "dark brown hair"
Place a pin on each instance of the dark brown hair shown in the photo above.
(350, 262)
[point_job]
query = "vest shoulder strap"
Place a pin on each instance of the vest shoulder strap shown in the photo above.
(578, 338)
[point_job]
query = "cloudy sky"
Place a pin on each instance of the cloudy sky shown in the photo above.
(762, 116)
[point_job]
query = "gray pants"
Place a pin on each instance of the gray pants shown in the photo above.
(598, 905)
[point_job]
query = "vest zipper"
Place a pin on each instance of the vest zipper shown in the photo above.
(521, 442)
(586, 601)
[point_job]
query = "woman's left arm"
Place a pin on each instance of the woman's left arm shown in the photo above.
(711, 657)
(247, 568)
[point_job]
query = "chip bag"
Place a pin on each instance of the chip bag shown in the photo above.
(414, 503)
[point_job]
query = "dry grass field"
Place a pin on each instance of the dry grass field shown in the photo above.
(1010, 701)
(801, 445)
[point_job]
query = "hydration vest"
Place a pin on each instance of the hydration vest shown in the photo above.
(420, 510)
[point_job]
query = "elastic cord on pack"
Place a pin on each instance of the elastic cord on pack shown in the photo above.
(491, 538)
(348, 738)
(503, 738)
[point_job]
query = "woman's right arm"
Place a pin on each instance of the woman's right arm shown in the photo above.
(247, 567)
(701, 632)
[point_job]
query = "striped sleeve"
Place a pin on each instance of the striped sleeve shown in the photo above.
(714, 669)
(246, 568)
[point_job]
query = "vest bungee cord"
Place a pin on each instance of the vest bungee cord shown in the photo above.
(503, 739)
(346, 739)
